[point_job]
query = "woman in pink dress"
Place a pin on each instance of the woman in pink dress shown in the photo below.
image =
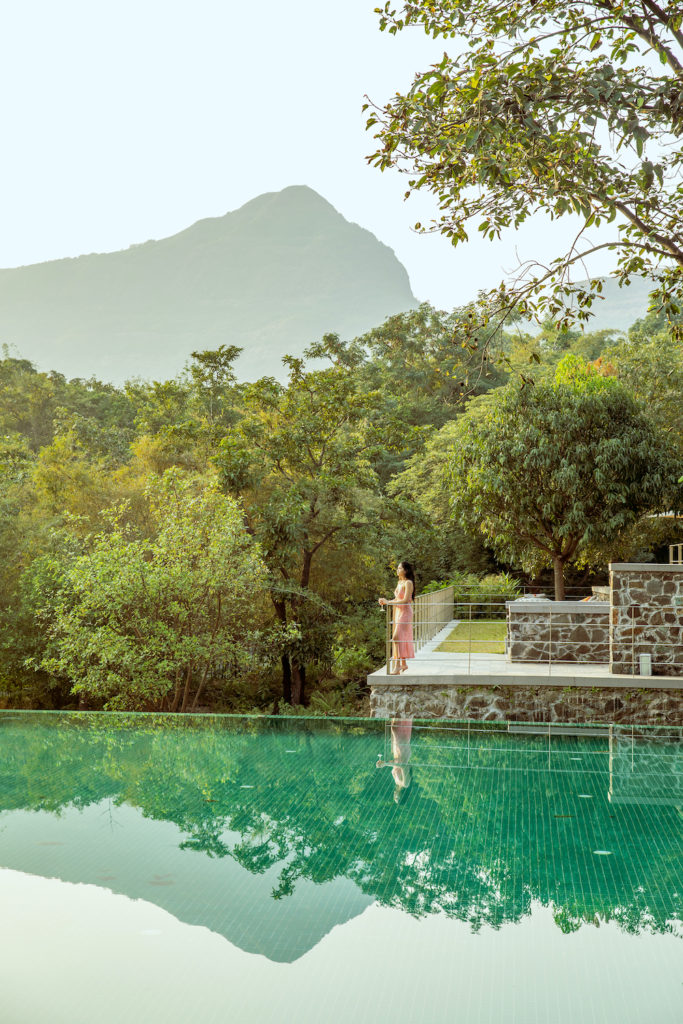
(402, 634)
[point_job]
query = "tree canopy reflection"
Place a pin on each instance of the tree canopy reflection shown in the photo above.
(480, 844)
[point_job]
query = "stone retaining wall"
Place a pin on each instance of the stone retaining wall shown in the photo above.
(528, 703)
(646, 618)
(567, 631)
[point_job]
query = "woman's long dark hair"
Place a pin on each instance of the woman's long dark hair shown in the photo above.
(410, 575)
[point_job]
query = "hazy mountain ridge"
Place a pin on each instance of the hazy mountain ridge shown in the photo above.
(272, 277)
(619, 308)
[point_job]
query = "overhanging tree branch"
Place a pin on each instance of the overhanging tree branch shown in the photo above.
(510, 126)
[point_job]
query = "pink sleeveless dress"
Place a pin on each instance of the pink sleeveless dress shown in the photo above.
(403, 626)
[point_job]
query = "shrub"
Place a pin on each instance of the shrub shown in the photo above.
(147, 623)
(486, 594)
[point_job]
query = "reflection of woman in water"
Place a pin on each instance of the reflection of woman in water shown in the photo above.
(401, 729)
(402, 646)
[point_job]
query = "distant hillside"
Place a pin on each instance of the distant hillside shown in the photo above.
(617, 309)
(620, 307)
(271, 277)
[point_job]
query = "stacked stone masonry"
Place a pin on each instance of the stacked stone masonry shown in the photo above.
(646, 617)
(528, 704)
(643, 617)
(558, 631)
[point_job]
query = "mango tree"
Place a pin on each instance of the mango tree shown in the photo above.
(558, 469)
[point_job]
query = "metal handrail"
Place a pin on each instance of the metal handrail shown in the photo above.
(435, 611)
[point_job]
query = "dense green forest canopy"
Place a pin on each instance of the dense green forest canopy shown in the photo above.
(200, 542)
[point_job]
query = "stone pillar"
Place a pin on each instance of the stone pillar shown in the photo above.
(646, 617)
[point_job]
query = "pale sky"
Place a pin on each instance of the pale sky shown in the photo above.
(129, 120)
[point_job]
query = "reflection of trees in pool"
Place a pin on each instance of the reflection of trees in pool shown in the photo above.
(478, 845)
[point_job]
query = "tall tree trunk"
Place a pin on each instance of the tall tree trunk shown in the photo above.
(298, 683)
(558, 570)
(281, 612)
(186, 691)
(306, 568)
(205, 674)
(286, 679)
(299, 671)
(176, 691)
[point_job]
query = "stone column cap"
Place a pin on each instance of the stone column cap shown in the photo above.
(645, 567)
(523, 604)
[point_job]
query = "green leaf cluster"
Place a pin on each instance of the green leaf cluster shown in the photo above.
(558, 109)
(149, 623)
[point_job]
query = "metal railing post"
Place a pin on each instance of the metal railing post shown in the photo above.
(387, 610)
(431, 612)
(469, 645)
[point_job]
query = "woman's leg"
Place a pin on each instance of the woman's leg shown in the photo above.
(392, 667)
(399, 645)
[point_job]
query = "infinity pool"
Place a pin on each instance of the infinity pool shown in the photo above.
(218, 869)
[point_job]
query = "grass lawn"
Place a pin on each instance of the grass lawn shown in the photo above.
(487, 638)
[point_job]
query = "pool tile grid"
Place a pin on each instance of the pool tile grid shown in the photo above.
(483, 844)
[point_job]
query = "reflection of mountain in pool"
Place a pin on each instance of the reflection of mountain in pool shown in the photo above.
(271, 832)
(119, 849)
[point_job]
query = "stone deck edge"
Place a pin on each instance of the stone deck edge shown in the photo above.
(616, 682)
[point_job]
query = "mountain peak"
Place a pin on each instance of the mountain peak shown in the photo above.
(292, 201)
(297, 192)
(271, 277)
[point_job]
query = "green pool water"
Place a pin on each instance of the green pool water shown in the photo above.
(217, 869)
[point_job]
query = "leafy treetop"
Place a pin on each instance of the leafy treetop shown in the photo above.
(556, 107)
(558, 471)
